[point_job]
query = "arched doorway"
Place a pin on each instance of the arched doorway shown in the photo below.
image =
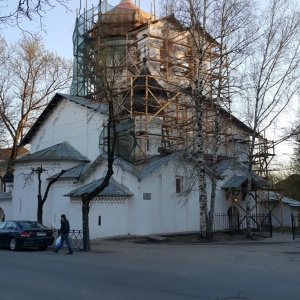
(2, 215)
(234, 218)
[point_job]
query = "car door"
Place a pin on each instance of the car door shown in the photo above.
(2, 234)
(8, 229)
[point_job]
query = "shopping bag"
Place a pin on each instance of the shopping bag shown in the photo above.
(58, 242)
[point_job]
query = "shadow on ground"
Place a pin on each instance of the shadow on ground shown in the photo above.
(189, 238)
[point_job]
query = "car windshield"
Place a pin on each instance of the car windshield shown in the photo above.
(2, 225)
(31, 225)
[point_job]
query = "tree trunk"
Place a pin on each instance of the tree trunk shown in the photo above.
(40, 209)
(85, 223)
(248, 207)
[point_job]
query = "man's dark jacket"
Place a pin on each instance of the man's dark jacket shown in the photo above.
(65, 227)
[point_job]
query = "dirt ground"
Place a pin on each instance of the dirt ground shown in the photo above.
(218, 237)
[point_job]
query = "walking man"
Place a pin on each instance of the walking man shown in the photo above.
(64, 233)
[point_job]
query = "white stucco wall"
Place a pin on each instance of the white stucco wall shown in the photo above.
(134, 215)
(24, 204)
(283, 210)
(160, 212)
(5, 204)
(154, 207)
(71, 122)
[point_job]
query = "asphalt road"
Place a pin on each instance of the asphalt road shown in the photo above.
(121, 271)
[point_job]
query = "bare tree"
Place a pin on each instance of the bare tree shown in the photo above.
(262, 48)
(28, 78)
(224, 26)
(271, 73)
(40, 196)
(14, 14)
(104, 78)
(295, 161)
(231, 26)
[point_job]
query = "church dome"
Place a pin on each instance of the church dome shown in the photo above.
(119, 20)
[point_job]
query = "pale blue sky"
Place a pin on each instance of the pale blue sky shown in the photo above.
(59, 24)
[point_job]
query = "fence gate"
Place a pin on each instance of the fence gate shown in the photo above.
(76, 239)
(261, 224)
(295, 225)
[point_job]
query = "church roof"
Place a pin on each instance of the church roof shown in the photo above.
(5, 195)
(80, 172)
(276, 196)
(113, 189)
(102, 108)
(149, 167)
(63, 151)
(123, 17)
(73, 173)
(235, 181)
(84, 170)
(126, 12)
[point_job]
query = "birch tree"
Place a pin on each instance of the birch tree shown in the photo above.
(271, 74)
(225, 25)
(198, 15)
(29, 76)
(295, 160)
(231, 26)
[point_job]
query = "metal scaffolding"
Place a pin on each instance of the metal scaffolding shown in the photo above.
(148, 64)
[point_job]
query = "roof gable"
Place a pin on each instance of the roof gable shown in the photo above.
(72, 173)
(113, 189)
(80, 172)
(62, 151)
(101, 108)
(151, 166)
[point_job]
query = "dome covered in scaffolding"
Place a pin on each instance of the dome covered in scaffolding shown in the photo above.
(146, 93)
(122, 18)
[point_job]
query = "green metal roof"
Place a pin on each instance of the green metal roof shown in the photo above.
(5, 195)
(234, 182)
(113, 189)
(63, 151)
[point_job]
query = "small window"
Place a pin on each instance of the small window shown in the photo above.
(146, 196)
(178, 184)
(10, 226)
(31, 225)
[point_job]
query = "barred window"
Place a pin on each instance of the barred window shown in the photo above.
(178, 184)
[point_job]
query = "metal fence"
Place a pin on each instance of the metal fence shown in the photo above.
(76, 239)
(295, 225)
(261, 224)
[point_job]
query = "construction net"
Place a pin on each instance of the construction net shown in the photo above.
(96, 26)
(82, 37)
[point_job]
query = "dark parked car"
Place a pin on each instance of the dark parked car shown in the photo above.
(18, 234)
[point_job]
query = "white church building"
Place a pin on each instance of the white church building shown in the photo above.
(140, 200)
(145, 194)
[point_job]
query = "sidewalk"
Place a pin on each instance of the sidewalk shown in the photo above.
(280, 238)
(113, 245)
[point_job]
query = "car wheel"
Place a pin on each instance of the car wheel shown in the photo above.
(43, 247)
(13, 244)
